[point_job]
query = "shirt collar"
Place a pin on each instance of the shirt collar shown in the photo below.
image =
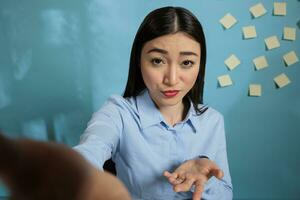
(150, 115)
(191, 117)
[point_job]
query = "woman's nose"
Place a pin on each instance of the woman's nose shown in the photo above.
(171, 76)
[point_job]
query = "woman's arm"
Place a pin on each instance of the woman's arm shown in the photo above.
(100, 139)
(220, 189)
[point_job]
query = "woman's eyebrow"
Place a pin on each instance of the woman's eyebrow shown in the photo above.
(158, 50)
(188, 53)
(162, 51)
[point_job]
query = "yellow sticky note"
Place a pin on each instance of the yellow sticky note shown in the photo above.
(272, 42)
(289, 33)
(260, 62)
(255, 90)
(258, 10)
(228, 21)
(232, 62)
(249, 32)
(290, 58)
(279, 8)
(225, 80)
(282, 80)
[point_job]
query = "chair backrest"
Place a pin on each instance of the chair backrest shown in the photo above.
(109, 166)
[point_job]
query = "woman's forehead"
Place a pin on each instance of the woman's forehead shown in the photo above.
(173, 42)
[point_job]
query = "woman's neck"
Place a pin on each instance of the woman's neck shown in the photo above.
(173, 114)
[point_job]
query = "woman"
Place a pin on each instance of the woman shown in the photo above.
(165, 144)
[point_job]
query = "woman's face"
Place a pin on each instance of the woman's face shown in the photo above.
(169, 66)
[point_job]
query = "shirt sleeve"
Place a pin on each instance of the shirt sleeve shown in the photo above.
(220, 189)
(101, 137)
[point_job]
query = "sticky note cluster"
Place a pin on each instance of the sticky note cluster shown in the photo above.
(271, 42)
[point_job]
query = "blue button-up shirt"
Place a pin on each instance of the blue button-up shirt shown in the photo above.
(141, 143)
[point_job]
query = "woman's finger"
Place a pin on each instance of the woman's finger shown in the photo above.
(218, 173)
(185, 185)
(172, 177)
(199, 188)
(167, 174)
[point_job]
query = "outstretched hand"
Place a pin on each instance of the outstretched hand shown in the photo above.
(193, 172)
(45, 170)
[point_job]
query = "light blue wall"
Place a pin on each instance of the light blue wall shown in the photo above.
(60, 60)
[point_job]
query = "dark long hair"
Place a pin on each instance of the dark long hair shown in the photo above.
(163, 21)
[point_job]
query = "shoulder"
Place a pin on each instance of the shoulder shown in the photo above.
(210, 123)
(211, 115)
(117, 103)
(116, 109)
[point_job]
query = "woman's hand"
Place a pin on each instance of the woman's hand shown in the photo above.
(46, 170)
(193, 172)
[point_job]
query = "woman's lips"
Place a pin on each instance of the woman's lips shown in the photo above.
(170, 93)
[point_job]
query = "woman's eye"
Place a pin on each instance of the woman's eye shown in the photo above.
(157, 61)
(187, 63)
